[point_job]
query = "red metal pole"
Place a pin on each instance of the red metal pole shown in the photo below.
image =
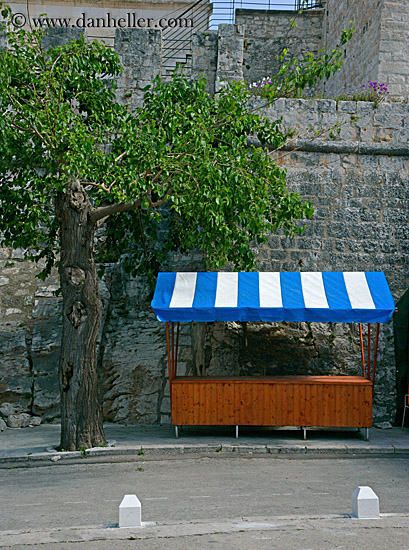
(362, 350)
(173, 347)
(375, 354)
(369, 351)
(169, 364)
(177, 345)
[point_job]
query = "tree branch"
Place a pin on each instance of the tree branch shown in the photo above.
(105, 211)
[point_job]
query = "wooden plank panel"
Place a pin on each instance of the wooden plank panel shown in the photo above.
(247, 393)
(283, 389)
(312, 396)
(366, 399)
(268, 400)
(337, 406)
(355, 405)
(307, 404)
(173, 403)
(258, 404)
(219, 403)
(295, 402)
(188, 403)
(293, 379)
(214, 413)
(328, 398)
(208, 399)
(277, 414)
(202, 414)
(349, 413)
(195, 404)
(247, 396)
(238, 404)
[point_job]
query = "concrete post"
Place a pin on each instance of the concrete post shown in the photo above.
(130, 512)
(365, 503)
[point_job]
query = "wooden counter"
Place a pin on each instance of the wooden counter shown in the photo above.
(319, 401)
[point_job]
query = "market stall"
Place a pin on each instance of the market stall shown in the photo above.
(303, 401)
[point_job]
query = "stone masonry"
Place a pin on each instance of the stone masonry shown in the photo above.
(378, 49)
(267, 33)
(358, 183)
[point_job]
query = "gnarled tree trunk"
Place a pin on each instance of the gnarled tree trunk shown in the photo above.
(81, 414)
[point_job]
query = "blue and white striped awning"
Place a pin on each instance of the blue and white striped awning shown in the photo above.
(321, 297)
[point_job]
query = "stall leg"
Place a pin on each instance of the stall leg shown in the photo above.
(366, 434)
(177, 432)
(305, 433)
(237, 432)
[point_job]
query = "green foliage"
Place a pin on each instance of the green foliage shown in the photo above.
(177, 172)
(83, 451)
(56, 111)
(297, 75)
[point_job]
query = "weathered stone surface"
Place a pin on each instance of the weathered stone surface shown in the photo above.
(378, 49)
(3, 425)
(267, 33)
(204, 57)
(133, 354)
(45, 354)
(140, 52)
(21, 420)
(35, 420)
(230, 54)
(15, 372)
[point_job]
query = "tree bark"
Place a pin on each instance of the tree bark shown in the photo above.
(81, 414)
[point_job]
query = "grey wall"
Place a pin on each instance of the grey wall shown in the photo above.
(378, 49)
(358, 183)
(267, 33)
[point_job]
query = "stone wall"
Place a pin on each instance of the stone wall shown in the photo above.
(267, 33)
(358, 183)
(378, 49)
(362, 51)
(394, 47)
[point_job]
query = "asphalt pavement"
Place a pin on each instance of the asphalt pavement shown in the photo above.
(266, 489)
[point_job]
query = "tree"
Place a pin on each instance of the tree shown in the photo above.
(72, 157)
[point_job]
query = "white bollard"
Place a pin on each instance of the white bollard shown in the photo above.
(130, 512)
(365, 503)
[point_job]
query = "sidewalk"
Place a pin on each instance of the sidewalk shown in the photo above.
(37, 444)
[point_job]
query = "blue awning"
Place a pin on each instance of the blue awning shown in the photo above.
(348, 297)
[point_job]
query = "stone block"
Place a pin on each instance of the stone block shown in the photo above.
(365, 503)
(18, 420)
(130, 512)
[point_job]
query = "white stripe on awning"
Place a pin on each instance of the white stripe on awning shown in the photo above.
(227, 290)
(270, 290)
(184, 290)
(313, 290)
(358, 290)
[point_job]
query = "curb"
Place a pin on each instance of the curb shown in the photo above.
(226, 449)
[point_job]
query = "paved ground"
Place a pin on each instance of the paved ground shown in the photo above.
(268, 489)
(248, 501)
(37, 445)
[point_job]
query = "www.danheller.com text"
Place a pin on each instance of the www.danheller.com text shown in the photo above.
(130, 20)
